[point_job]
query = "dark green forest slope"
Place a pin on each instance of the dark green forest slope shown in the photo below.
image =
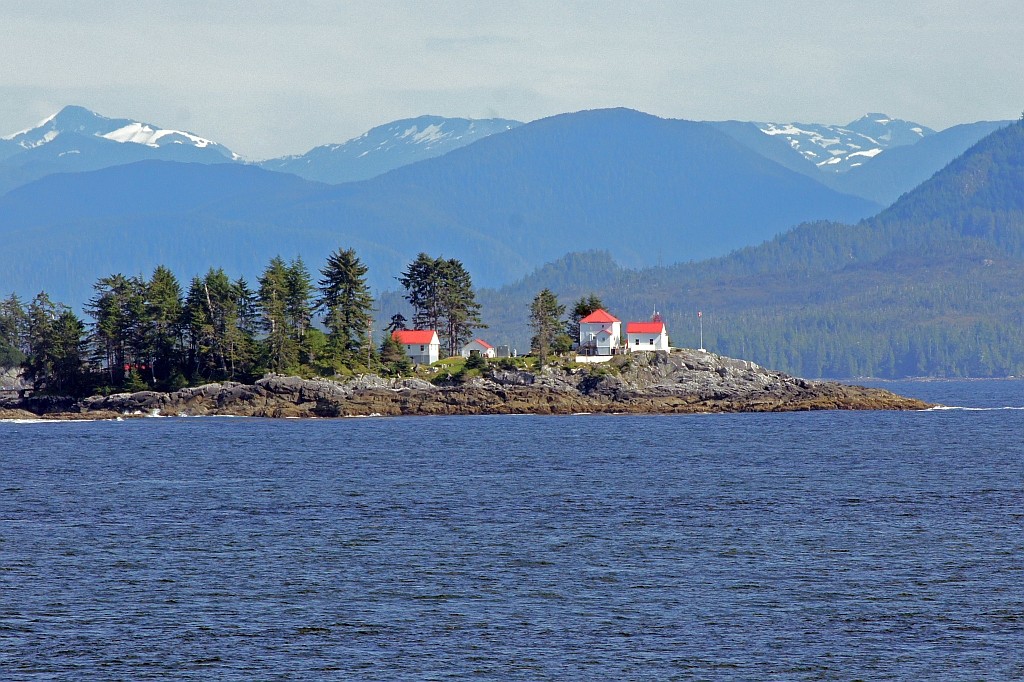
(929, 287)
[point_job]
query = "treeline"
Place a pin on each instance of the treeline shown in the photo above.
(152, 333)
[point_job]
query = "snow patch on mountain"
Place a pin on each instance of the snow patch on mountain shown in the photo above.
(387, 147)
(838, 149)
(140, 133)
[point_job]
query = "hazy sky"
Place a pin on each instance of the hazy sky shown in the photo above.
(273, 78)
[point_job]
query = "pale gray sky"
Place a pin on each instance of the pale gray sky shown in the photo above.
(274, 78)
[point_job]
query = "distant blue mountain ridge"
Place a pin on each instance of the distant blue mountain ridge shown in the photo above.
(111, 195)
(647, 189)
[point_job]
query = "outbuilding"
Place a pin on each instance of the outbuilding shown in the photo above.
(651, 335)
(478, 347)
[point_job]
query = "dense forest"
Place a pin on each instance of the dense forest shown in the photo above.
(149, 333)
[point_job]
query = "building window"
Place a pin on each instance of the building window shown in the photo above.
(421, 348)
(651, 342)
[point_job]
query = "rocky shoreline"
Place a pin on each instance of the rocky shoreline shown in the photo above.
(683, 381)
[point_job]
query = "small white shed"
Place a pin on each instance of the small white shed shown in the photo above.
(479, 347)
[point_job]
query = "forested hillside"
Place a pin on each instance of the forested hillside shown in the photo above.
(931, 286)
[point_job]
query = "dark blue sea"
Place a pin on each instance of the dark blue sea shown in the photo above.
(814, 546)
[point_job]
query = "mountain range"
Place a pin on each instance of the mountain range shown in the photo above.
(876, 157)
(649, 190)
(628, 189)
(928, 287)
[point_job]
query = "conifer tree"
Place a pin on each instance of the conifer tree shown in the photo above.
(422, 283)
(299, 301)
(12, 331)
(346, 304)
(165, 311)
(55, 347)
(441, 294)
(546, 322)
(460, 313)
(120, 329)
(280, 347)
(584, 306)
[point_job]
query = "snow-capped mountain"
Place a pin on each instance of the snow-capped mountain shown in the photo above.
(839, 149)
(76, 139)
(387, 147)
(74, 120)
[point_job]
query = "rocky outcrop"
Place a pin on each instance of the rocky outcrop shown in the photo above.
(683, 381)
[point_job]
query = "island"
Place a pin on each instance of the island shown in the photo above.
(679, 381)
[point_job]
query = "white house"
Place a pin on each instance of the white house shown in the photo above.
(600, 334)
(647, 335)
(480, 347)
(421, 345)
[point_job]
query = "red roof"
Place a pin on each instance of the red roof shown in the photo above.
(645, 327)
(600, 315)
(413, 336)
(482, 343)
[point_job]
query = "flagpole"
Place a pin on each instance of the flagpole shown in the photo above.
(700, 319)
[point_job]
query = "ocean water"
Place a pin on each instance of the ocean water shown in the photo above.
(816, 546)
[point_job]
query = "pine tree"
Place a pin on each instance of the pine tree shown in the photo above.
(65, 354)
(55, 344)
(280, 347)
(460, 313)
(247, 327)
(346, 305)
(219, 344)
(299, 304)
(12, 331)
(546, 321)
(422, 283)
(584, 306)
(165, 316)
(442, 298)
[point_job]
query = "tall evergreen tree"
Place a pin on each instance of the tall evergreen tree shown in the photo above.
(460, 313)
(299, 302)
(422, 283)
(12, 331)
(583, 307)
(65, 354)
(546, 321)
(346, 304)
(55, 344)
(441, 294)
(165, 317)
(198, 327)
(279, 341)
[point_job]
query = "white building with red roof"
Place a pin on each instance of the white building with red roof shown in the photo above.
(421, 345)
(600, 333)
(651, 335)
(480, 347)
